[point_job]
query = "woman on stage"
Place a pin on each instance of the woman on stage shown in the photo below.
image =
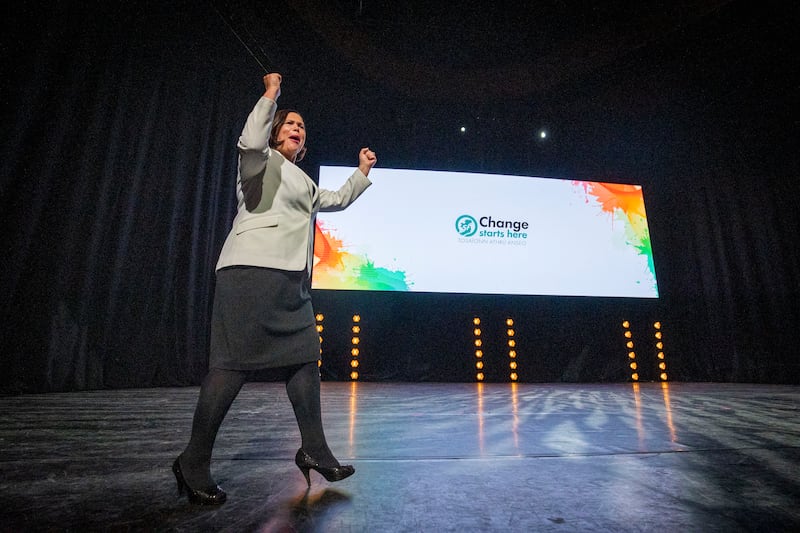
(263, 316)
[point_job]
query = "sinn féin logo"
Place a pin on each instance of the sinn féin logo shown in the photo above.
(466, 226)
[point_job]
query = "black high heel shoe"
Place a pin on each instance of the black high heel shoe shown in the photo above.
(332, 473)
(211, 496)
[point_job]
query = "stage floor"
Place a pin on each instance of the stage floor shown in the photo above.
(428, 456)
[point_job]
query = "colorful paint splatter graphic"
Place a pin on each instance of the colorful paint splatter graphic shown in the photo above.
(625, 203)
(336, 268)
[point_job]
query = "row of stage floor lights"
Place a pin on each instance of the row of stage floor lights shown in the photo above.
(658, 344)
(511, 343)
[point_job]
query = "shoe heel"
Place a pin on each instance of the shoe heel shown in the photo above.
(306, 472)
(303, 463)
(176, 470)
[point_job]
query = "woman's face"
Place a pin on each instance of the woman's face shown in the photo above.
(291, 136)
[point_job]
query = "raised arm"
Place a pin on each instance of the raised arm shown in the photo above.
(253, 143)
(353, 187)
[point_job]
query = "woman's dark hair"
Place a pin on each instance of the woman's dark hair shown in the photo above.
(277, 122)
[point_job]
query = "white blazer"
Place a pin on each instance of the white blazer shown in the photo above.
(277, 202)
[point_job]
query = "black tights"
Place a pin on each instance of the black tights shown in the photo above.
(219, 389)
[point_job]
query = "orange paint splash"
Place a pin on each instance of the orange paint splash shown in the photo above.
(613, 196)
(327, 249)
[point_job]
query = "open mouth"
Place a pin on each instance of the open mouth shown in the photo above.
(295, 138)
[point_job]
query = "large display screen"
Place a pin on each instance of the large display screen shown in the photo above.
(456, 232)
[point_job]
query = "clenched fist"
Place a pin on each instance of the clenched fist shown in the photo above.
(366, 160)
(272, 85)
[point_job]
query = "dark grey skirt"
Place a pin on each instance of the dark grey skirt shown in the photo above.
(262, 318)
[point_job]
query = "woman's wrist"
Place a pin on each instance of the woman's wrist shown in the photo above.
(272, 94)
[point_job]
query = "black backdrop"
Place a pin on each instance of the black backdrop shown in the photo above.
(118, 168)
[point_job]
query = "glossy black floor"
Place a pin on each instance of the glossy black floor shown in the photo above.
(428, 457)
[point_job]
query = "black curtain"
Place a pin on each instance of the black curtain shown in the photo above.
(116, 190)
(118, 166)
(733, 260)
